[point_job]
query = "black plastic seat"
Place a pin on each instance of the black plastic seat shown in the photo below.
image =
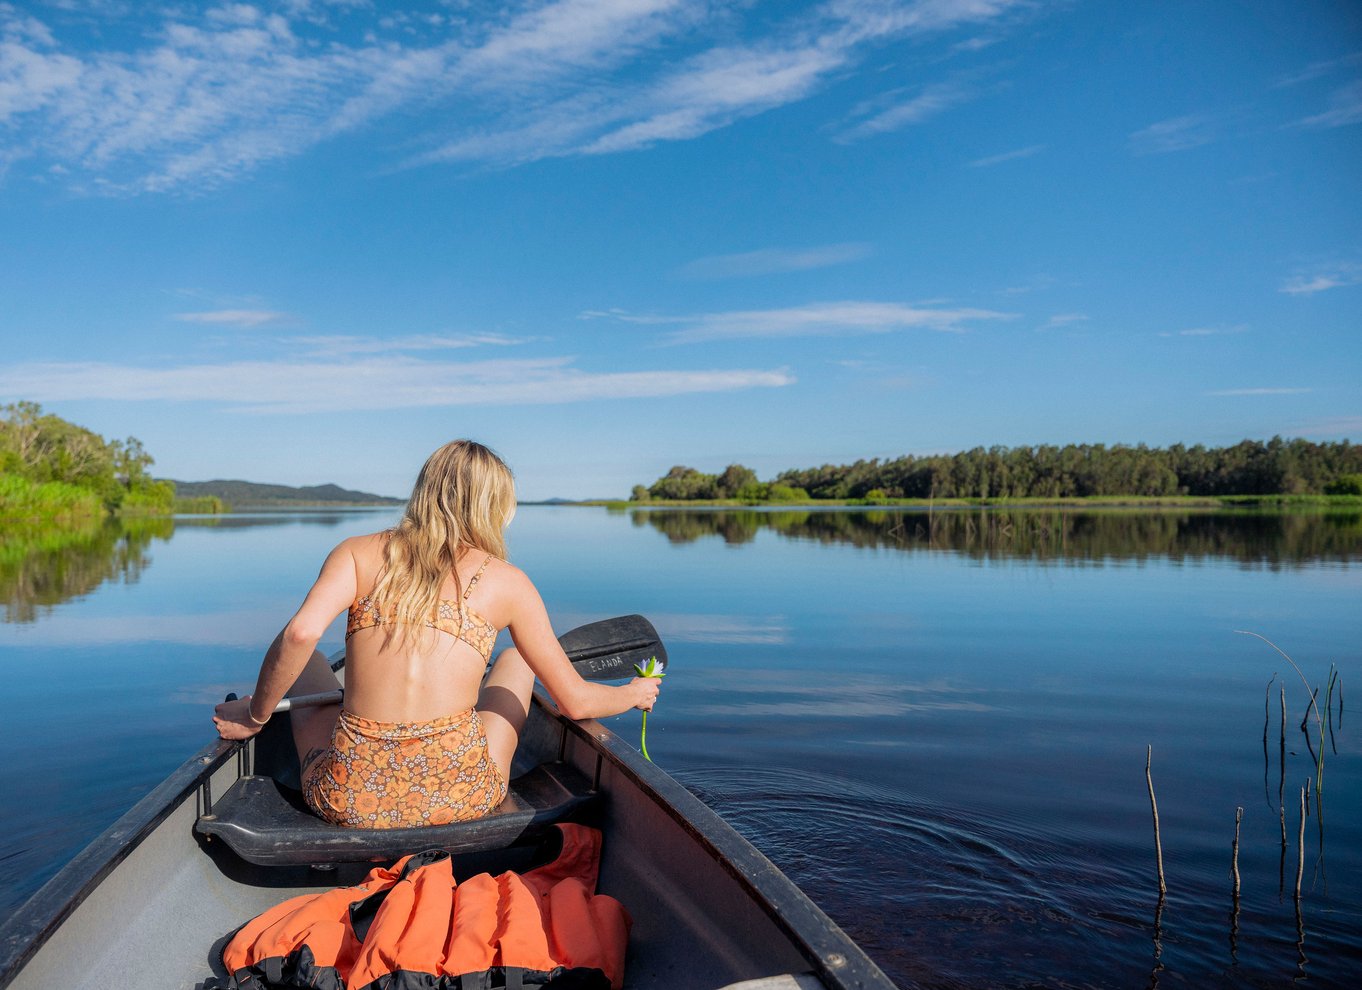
(267, 823)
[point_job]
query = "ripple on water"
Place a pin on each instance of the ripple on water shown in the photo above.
(939, 899)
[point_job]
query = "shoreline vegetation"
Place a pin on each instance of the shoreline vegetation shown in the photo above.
(54, 471)
(1277, 472)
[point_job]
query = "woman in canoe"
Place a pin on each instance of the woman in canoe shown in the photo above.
(424, 738)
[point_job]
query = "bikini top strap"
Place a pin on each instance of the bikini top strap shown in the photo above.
(469, 590)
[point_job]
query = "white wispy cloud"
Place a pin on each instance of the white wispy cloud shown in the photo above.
(769, 261)
(1206, 331)
(1037, 284)
(1175, 134)
(396, 382)
(1329, 277)
(1260, 391)
(901, 112)
(352, 344)
(1345, 107)
(813, 320)
(1316, 70)
(233, 317)
(205, 97)
(1007, 156)
(1064, 320)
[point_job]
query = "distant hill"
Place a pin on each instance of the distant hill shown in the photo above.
(239, 494)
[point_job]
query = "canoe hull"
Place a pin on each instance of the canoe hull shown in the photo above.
(709, 910)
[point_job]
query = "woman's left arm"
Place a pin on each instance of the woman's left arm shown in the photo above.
(333, 591)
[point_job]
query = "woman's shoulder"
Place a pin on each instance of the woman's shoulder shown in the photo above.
(364, 549)
(504, 573)
(366, 541)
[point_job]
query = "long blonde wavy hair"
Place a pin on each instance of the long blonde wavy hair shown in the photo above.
(463, 499)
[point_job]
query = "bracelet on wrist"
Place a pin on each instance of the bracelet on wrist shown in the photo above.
(251, 715)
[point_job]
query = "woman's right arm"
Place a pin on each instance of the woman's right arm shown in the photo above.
(331, 593)
(577, 698)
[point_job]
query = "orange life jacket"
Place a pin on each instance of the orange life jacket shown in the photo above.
(411, 927)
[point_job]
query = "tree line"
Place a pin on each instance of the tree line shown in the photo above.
(1250, 467)
(49, 466)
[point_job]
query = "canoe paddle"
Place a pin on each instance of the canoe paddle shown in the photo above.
(600, 651)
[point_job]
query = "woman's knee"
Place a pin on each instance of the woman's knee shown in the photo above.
(510, 664)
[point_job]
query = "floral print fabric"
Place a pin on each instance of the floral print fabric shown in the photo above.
(404, 774)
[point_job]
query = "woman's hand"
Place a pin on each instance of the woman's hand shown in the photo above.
(233, 719)
(645, 691)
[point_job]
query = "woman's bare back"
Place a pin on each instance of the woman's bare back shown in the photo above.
(421, 672)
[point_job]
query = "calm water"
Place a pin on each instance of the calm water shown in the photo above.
(936, 724)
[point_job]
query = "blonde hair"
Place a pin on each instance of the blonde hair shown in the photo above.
(463, 499)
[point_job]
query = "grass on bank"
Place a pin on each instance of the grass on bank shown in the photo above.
(24, 499)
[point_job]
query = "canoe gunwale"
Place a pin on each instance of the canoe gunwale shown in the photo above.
(837, 960)
(26, 931)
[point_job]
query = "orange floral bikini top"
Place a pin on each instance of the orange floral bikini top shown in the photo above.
(451, 616)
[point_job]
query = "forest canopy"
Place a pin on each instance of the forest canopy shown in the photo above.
(1251, 467)
(52, 467)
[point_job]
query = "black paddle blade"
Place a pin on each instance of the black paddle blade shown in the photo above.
(608, 649)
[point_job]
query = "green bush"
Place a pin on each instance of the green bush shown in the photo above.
(755, 491)
(784, 493)
(1345, 484)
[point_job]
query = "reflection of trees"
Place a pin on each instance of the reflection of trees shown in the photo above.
(42, 565)
(1042, 534)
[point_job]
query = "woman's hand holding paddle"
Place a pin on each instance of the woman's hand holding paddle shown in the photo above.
(233, 719)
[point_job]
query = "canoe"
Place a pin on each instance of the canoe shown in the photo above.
(224, 837)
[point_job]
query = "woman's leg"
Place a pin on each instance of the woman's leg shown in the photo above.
(503, 705)
(312, 727)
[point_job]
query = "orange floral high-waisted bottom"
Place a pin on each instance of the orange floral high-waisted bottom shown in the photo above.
(402, 774)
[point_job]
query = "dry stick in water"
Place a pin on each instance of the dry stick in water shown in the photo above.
(1234, 849)
(1300, 844)
(1234, 871)
(1154, 806)
(1267, 711)
(1281, 753)
(1281, 864)
(1267, 721)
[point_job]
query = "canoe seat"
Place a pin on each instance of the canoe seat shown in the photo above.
(267, 823)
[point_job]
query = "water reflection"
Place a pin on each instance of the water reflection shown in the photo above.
(45, 564)
(42, 566)
(1273, 539)
(290, 517)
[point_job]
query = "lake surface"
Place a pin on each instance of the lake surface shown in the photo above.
(936, 723)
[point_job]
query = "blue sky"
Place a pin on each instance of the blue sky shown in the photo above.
(304, 242)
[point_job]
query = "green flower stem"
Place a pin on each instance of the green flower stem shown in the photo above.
(650, 670)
